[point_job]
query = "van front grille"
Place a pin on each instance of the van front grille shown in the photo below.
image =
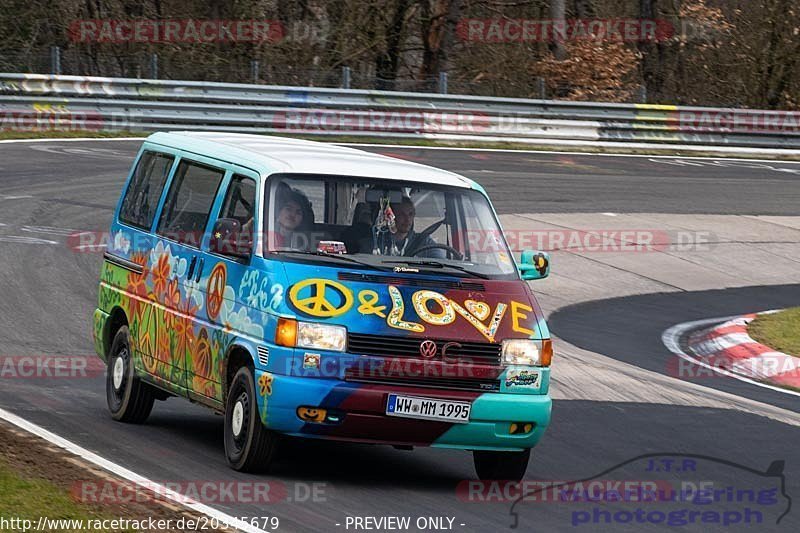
(435, 382)
(395, 346)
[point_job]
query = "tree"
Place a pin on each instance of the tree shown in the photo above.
(558, 11)
(438, 22)
(652, 53)
(388, 58)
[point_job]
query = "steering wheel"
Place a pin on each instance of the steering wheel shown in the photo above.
(430, 229)
(420, 237)
(449, 249)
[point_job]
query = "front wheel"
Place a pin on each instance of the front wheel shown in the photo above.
(129, 400)
(501, 465)
(249, 446)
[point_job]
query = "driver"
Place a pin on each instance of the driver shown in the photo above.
(405, 239)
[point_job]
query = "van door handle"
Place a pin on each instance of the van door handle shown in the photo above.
(190, 274)
(200, 270)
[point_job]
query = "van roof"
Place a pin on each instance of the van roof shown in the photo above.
(269, 155)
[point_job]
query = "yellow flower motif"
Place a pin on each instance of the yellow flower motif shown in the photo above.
(265, 384)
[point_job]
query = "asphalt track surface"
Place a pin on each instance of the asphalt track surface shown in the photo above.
(49, 292)
(571, 183)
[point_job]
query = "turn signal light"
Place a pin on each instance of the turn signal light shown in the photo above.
(286, 332)
(547, 353)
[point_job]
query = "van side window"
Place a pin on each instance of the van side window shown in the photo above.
(141, 199)
(188, 204)
(240, 203)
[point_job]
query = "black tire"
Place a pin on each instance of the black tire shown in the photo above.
(129, 399)
(501, 465)
(252, 448)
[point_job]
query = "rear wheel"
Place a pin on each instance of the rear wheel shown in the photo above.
(249, 446)
(501, 465)
(129, 399)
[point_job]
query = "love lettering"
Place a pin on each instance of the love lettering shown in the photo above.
(448, 309)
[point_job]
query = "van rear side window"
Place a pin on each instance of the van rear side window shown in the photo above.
(144, 191)
(241, 200)
(188, 204)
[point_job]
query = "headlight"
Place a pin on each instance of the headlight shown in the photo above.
(520, 352)
(321, 336)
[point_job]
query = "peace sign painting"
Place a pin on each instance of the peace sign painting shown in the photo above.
(322, 298)
(215, 290)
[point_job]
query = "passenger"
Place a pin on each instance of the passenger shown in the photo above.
(294, 214)
(358, 238)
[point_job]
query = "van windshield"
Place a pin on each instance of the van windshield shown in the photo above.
(388, 225)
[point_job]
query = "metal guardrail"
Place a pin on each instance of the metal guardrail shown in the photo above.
(78, 102)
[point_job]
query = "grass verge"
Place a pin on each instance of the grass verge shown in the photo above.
(780, 331)
(38, 479)
(27, 498)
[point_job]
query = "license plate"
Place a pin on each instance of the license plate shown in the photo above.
(428, 408)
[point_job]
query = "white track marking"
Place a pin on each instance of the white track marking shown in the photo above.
(90, 247)
(499, 150)
(101, 153)
(16, 197)
(725, 163)
(20, 239)
(671, 339)
(73, 139)
(64, 232)
(124, 473)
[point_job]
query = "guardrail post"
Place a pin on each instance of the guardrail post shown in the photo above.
(345, 77)
(55, 59)
(643, 94)
(154, 66)
(255, 68)
(443, 83)
(542, 88)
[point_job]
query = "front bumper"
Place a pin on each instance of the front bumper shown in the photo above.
(361, 409)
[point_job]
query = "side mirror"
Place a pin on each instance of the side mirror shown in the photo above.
(534, 265)
(227, 238)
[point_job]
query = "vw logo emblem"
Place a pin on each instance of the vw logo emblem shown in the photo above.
(427, 349)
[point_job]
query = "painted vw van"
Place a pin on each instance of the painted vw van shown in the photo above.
(308, 290)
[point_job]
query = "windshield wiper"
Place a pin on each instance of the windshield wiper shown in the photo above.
(341, 257)
(437, 264)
